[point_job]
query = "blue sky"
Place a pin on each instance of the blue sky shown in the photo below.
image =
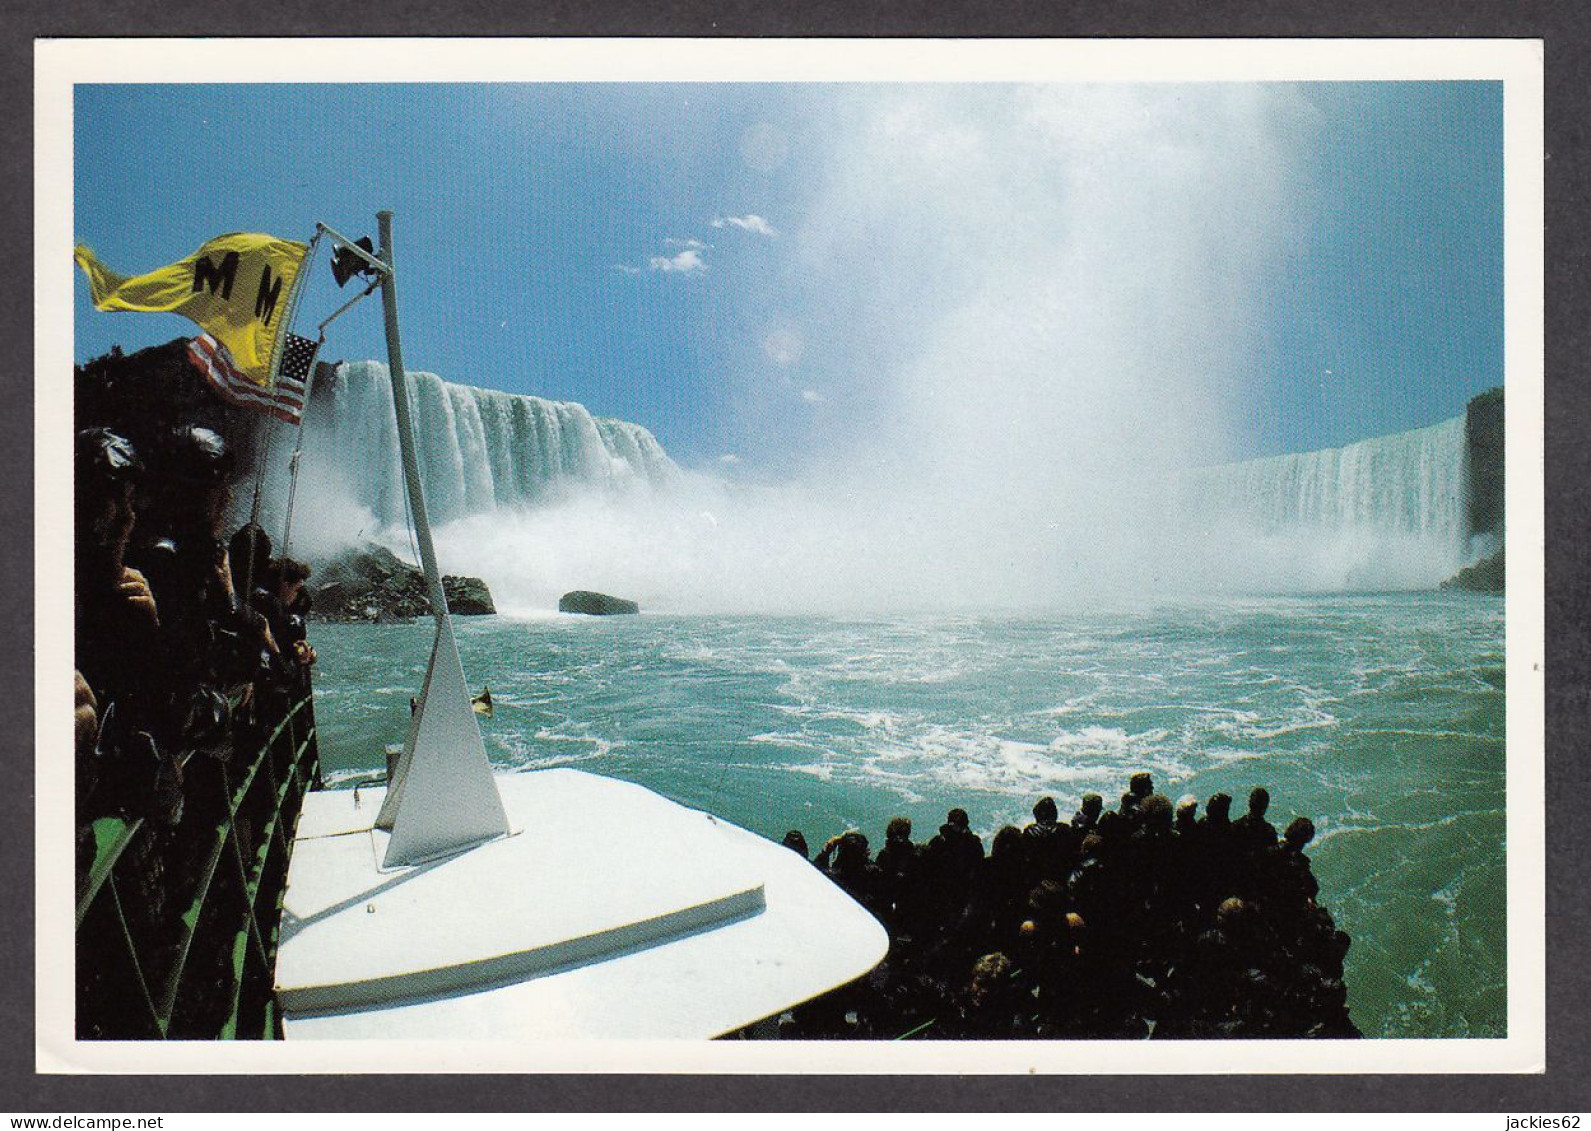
(779, 272)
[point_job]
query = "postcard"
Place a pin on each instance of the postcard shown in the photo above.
(808, 555)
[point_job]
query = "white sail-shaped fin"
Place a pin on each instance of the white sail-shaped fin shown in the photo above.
(443, 798)
(389, 806)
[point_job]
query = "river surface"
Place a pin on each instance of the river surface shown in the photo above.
(1380, 717)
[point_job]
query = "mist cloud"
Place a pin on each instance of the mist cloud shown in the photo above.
(1027, 310)
(1065, 285)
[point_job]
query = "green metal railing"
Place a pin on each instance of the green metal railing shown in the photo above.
(177, 927)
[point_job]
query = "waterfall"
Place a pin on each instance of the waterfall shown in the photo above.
(479, 450)
(559, 499)
(1389, 511)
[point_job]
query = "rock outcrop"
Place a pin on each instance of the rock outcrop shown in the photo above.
(468, 596)
(595, 604)
(374, 584)
(1485, 576)
(1483, 454)
(1483, 435)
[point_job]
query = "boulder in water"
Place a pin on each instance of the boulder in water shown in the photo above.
(595, 604)
(468, 596)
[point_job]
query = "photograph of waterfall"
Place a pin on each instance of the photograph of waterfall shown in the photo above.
(995, 477)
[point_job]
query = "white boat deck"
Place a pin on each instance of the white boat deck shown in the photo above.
(609, 912)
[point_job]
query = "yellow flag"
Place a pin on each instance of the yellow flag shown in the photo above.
(236, 286)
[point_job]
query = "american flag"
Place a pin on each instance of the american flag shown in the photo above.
(285, 402)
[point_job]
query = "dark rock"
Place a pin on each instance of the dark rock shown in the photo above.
(468, 596)
(1485, 576)
(595, 604)
(1483, 435)
(374, 584)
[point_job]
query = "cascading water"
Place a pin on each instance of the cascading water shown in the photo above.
(541, 497)
(1388, 512)
(479, 450)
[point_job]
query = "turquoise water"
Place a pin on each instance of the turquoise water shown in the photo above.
(1380, 717)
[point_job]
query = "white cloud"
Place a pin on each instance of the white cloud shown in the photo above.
(812, 396)
(626, 269)
(750, 222)
(728, 459)
(687, 262)
(686, 259)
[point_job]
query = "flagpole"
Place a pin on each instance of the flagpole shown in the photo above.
(400, 400)
(293, 461)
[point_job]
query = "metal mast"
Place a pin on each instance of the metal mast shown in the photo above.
(442, 797)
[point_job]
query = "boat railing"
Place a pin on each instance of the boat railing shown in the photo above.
(176, 927)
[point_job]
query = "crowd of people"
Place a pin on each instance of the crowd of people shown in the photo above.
(188, 646)
(1145, 920)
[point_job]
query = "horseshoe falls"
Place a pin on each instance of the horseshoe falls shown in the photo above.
(1382, 514)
